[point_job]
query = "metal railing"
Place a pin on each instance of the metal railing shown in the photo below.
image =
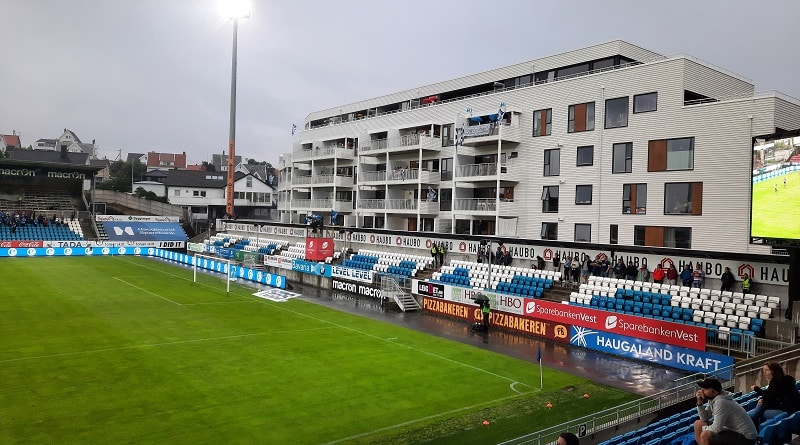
(470, 170)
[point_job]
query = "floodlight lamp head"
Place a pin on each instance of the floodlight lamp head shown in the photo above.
(234, 9)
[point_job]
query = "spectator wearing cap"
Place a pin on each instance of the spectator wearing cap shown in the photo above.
(731, 424)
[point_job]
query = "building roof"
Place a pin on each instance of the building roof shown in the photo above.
(12, 140)
(50, 156)
(192, 178)
(132, 156)
(51, 142)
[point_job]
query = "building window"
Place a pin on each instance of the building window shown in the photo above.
(622, 161)
(583, 194)
(617, 112)
(249, 182)
(552, 162)
(447, 169)
(585, 155)
(635, 194)
(583, 233)
(549, 230)
(581, 117)
(613, 234)
(670, 154)
(657, 236)
(199, 193)
(177, 192)
(542, 122)
(550, 199)
(683, 198)
(643, 103)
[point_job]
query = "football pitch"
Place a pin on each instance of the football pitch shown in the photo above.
(776, 214)
(129, 350)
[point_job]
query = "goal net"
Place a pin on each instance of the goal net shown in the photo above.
(213, 264)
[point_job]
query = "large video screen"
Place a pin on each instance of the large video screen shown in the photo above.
(776, 187)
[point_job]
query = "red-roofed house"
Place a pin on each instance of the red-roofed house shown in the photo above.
(9, 141)
(166, 161)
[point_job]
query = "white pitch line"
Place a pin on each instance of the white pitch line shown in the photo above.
(147, 291)
(421, 419)
(466, 365)
(155, 345)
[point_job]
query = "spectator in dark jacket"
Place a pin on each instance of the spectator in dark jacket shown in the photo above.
(727, 280)
(778, 397)
(686, 275)
(631, 271)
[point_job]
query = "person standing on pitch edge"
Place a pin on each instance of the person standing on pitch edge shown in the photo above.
(485, 309)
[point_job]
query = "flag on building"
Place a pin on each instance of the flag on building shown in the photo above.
(460, 135)
(294, 127)
(501, 112)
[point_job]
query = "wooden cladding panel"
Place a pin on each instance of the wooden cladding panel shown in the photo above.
(657, 155)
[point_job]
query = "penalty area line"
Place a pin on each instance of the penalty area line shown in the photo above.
(147, 291)
(423, 419)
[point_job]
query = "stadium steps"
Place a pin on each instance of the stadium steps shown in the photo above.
(407, 302)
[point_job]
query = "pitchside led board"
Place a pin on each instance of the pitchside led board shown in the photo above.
(775, 217)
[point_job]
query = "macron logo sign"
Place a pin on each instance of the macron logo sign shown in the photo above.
(119, 231)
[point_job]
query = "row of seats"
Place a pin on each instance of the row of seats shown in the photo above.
(664, 309)
(69, 231)
(392, 257)
(484, 269)
(631, 287)
(672, 430)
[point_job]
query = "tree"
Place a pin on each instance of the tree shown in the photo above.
(209, 167)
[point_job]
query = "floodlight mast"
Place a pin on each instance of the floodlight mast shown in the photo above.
(233, 10)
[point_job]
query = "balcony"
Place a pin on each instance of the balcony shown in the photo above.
(480, 206)
(401, 205)
(489, 134)
(401, 175)
(405, 143)
(477, 172)
(343, 206)
(429, 207)
(430, 177)
(327, 180)
(372, 176)
(371, 204)
(338, 151)
(312, 204)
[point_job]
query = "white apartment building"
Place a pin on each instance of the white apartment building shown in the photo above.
(609, 144)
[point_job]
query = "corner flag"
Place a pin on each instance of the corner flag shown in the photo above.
(539, 360)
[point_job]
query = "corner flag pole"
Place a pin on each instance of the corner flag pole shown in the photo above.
(539, 359)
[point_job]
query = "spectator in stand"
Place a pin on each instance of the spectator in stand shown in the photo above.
(576, 269)
(585, 270)
(568, 268)
(747, 284)
(557, 262)
(698, 276)
(619, 269)
(778, 397)
(643, 275)
(609, 272)
(540, 262)
(672, 275)
(567, 439)
(727, 280)
(731, 425)
(630, 271)
(658, 274)
(686, 275)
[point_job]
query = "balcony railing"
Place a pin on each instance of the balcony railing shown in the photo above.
(474, 204)
(401, 204)
(379, 175)
(371, 204)
(477, 170)
(414, 140)
(312, 203)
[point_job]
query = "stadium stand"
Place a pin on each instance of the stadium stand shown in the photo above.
(400, 265)
(509, 280)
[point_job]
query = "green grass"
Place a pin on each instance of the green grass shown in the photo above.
(129, 350)
(777, 214)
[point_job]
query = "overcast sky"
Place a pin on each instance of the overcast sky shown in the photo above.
(154, 75)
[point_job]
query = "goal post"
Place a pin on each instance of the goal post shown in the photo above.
(214, 264)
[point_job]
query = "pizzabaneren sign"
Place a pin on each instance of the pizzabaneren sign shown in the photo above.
(661, 331)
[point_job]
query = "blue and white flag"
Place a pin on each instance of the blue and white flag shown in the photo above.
(460, 135)
(501, 112)
(294, 127)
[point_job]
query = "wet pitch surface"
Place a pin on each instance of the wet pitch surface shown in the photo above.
(629, 375)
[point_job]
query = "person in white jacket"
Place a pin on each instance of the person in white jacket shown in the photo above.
(722, 419)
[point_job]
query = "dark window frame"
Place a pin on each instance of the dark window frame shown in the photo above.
(584, 186)
(549, 231)
(548, 162)
(643, 95)
(609, 124)
(578, 156)
(628, 157)
(582, 226)
(631, 190)
(693, 206)
(586, 124)
(549, 200)
(548, 122)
